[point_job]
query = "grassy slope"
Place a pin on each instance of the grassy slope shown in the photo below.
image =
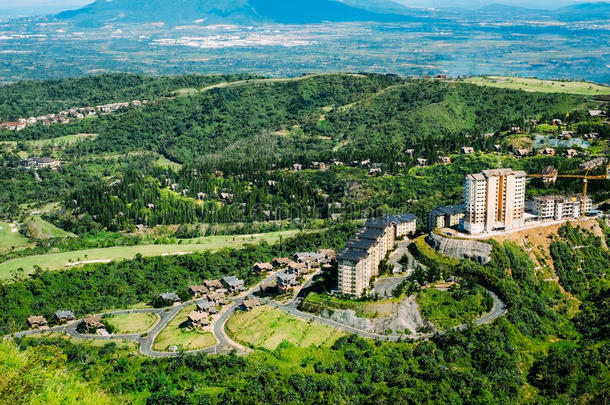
(544, 86)
(183, 337)
(48, 230)
(9, 239)
(132, 323)
(444, 311)
(268, 327)
(56, 261)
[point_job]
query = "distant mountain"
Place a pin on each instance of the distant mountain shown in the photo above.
(182, 12)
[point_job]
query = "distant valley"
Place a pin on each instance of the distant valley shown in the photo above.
(159, 37)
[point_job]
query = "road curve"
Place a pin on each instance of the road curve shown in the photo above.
(224, 344)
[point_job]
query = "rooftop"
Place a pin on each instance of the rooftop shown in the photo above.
(352, 255)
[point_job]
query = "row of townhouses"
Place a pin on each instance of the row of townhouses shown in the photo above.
(64, 117)
(359, 262)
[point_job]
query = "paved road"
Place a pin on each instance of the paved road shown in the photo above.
(224, 343)
(498, 309)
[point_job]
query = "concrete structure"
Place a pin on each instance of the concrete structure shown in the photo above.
(559, 207)
(494, 200)
(446, 216)
(359, 262)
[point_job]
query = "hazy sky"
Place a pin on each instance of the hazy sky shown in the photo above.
(46, 4)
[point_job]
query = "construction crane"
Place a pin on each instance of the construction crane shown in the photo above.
(585, 179)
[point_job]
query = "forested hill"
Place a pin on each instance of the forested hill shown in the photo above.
(343, 115)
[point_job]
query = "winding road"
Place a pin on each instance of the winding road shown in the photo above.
(224, 344)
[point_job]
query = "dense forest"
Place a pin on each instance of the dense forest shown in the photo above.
(367, 116)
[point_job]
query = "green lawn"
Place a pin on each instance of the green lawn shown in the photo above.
(10, 239)
(57, 261)
(183, 337)
(447, 309)
(544, 86)
(268, 327)
(132, 323)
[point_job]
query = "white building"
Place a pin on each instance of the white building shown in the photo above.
(559, 207)
(494, 200)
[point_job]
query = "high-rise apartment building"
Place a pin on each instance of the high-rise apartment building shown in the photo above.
(494, 200)
(359, 262)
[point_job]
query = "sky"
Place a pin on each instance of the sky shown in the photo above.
(32, 7)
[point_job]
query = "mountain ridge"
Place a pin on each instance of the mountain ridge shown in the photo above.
(232, 12)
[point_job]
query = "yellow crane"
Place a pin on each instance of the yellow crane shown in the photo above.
(585, 179)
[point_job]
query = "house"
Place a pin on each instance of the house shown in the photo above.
(212, 284)
(466, 150)
(557, 122)
(521, 152)
(547, 151)
(217, 297)
(262, 267)
(281, 262)
(328, 253)
(207, 306)
(170, 298)
(410, 152)
(249, 304)
(297, 268)
(197, 319)
(39, 163)
(286, 281)
(570, 153)
(271, 183)
(297, 167)
(201, 196)
(318, 165)
(37, 322)
(596, 113)
(550, 175)
(444, 160)
(422, 162)
(366, 163)
(303, 257)
(92, 323)
(197, 290)
(498, 148)
(233, 283)
(226, 197)
(337, 163)
(376, 171)
(64, 316)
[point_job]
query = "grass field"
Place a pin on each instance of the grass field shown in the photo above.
(315, 303)
(55, 143)
(57, 261)
(132, 323)
(447, 309)
(268, 327)
(544, 86)
(183, 337)
(9, 239)
(87, 342)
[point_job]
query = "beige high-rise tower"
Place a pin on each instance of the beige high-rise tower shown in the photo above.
(494, 200)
